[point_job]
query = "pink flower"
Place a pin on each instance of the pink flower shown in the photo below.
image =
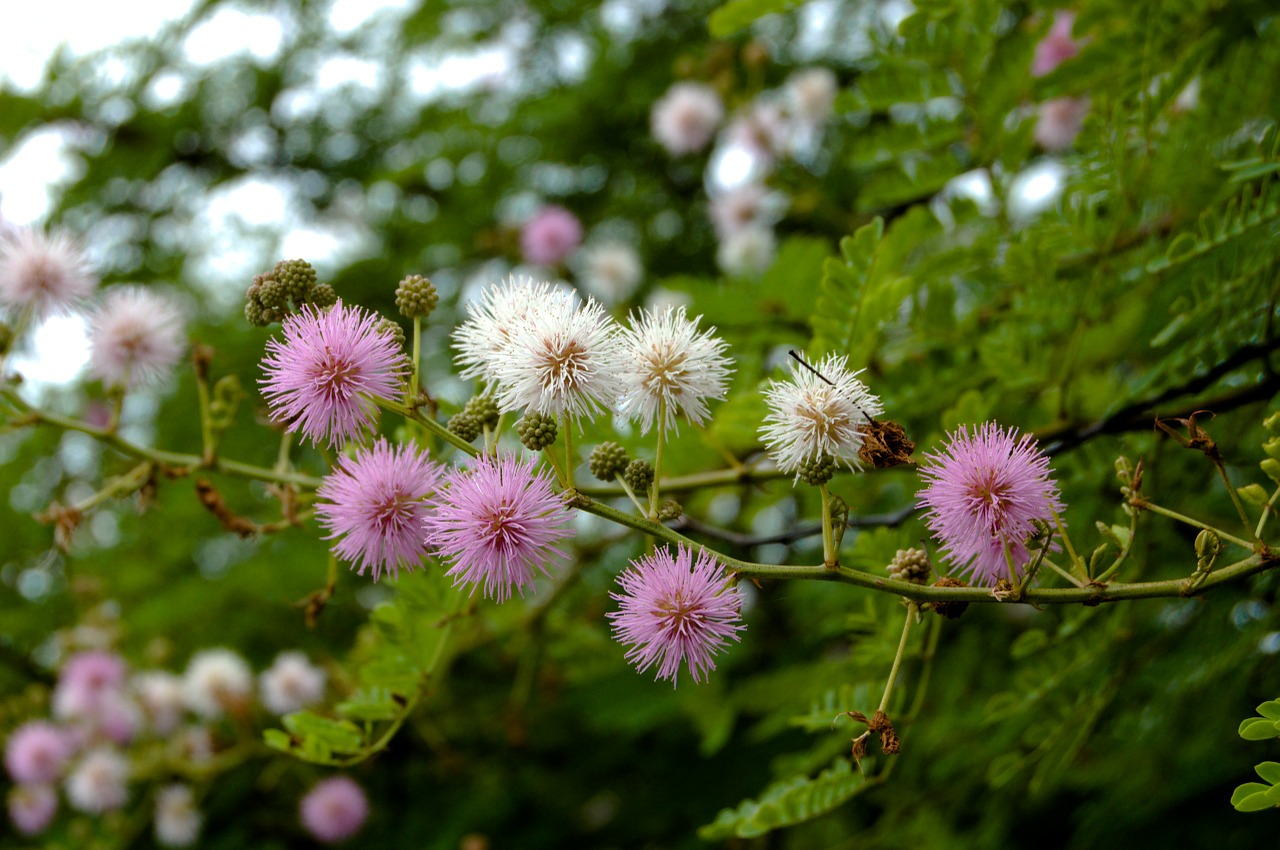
(498, 524)
(985, 490)
(550, 236)
(134, 337)
(1059, 122)
(1057, 46)
(32, 807)
(334, 809)
(685, 118)
(44, 273)
(675, 610)
(36, 752)
(86, 682)
(375, 503)
(321, 377)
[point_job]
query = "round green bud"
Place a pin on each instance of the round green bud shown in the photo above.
(416, 297)
(818, 471)
(296, 279)
(537, 431)
(465, 425)
(608, 461)
(484, 408)
(911, 565)
(323, 295)
(392, 328)
(638, 475)
(671, 509)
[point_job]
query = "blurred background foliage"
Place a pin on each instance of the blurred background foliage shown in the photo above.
(1076, 294)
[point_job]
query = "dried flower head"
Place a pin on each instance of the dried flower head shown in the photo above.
(685, 118)
(675, 610)
(550, 236)
(565, 360)
(498, 525)
(334, 809)
(291, 684)
(135, 337)
(985, 492)
(670, 367)
(374, 504)
(822, 411)
(43, 273)
(321, 378)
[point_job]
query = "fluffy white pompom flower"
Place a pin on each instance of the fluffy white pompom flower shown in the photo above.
(99, 783)
(483, 339)
(811, 94)
(685, 118)
(820, 412)
(291, 683)
(748, 252)
(610, 271)
(178, 819)
(565, 361)
(135, 336)
(216, 681)
(670, 367)
(42, 273)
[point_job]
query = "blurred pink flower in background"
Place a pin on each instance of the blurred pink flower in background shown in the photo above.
(550, 236)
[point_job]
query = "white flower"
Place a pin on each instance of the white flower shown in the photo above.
(748, 252)
(811, 417)
(811, 94)
(136, 335)
(743, 207)
(99, 782)
(45, 273)
(685, 118)
(291, 683)
(670, 367)
(610, 271)
(763, 131)
(482, 340)
(566, 360)
(177, 818)
(217, 680)
(162, 698)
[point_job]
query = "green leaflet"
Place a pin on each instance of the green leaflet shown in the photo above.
(739, 14)
(791, 801)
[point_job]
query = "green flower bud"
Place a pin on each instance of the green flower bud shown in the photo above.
(537, 431)
(416, 297)
(607, 461)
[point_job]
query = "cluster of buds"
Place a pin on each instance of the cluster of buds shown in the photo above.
(478, 413)
(284, 290)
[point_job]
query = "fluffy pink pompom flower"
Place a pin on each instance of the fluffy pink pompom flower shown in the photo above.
(32, 807)
(550, 236)
(36, 752)
(676, 609)
(134, 337)
(375, 504)
(334, 809)
(1059, 122)
(87, 682)
(1057, 46)
(498, 524)
(984, 492)
(321, 377)
(43, 273)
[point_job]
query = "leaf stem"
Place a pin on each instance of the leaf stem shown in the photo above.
(912, 609)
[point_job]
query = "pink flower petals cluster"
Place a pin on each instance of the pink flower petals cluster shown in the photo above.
(42, 273)
(36, 752)
(498, 525)
(321, 378)
(550, 236)
(1057, 46)
(985, 491)
(676, 610)
(374, 504)
(685, 118)
(334, 809)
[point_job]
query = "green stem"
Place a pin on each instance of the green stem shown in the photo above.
(1156, 509)
(414, 415)
(631, 494)
(656, 487)
(1060, 571)
(1266, 512)
(570, 464)
(1076, 561)
(1235, 497)
(206, 419)
(412, 400)
(829, 555)
(912, 608)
